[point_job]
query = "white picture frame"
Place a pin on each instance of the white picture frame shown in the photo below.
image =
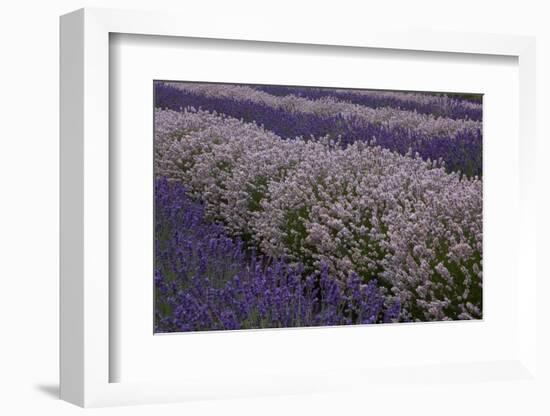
(85, 265)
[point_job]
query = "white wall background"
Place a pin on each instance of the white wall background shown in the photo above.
(29, 182)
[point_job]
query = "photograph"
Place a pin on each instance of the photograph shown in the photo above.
(296, 206)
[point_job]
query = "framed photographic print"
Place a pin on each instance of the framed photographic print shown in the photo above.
(272, 213)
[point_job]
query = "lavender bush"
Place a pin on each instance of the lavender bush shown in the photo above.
(204, 280)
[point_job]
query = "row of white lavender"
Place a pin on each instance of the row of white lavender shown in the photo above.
(424, 123)
(361, 209)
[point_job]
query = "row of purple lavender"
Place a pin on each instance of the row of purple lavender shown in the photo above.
(307, 211)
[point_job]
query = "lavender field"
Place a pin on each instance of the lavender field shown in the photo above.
(295, 206)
